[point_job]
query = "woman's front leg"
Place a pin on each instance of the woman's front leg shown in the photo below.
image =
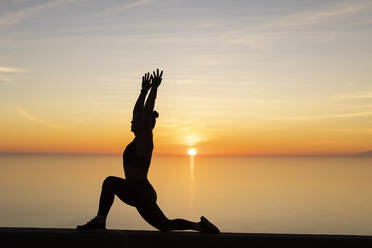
(111, 186)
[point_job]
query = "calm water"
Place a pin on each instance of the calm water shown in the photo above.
(239, 194)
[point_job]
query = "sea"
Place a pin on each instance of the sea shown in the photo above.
(283, 194)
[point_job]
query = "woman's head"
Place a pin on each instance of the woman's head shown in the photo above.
(138, 121)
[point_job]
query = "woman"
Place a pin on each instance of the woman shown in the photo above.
(136, 190)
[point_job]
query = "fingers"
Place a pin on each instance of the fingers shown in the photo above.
(146, 77)
(156, 74)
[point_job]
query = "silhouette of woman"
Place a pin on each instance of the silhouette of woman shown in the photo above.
(136, 190)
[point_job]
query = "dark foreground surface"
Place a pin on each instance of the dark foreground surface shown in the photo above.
(50, 237)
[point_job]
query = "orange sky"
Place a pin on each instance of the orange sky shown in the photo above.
(248, 78)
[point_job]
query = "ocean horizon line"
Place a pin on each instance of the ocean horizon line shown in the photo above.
(359, 154)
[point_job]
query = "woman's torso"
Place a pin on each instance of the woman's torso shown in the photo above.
(135, 166)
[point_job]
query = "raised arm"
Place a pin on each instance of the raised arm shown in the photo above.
(146, 84)
(150, 102)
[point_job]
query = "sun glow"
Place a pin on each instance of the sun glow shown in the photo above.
(192, 152)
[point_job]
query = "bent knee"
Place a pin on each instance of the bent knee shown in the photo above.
(108, 182)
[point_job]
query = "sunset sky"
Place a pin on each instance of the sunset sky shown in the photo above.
(240, 77)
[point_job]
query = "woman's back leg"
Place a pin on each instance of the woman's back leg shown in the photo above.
(155, 217)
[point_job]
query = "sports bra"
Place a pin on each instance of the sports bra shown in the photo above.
(131, 158)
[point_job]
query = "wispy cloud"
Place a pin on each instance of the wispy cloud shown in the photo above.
(21, 1)
(83, 119)
(17, 16)
(329, 13)
(33, 118)
(310, 117)
(122, 8)
(355, 96)
(7, 69)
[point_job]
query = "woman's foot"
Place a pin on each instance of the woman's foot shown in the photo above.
(207, 227)
(94, 224)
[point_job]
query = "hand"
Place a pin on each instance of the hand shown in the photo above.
(146, 81)
(156, 78)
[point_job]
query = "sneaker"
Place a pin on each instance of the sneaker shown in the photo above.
(207, 227)
(92, 225)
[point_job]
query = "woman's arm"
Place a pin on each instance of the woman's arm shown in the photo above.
(150, 102)
(144, 143)
(146, 84)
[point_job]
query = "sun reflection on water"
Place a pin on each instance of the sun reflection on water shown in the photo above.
(192, 158)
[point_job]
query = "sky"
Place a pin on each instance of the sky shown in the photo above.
(240, 77)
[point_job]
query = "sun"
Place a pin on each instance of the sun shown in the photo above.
(192, 152)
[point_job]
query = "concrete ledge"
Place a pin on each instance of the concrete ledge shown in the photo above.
(53, 237)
